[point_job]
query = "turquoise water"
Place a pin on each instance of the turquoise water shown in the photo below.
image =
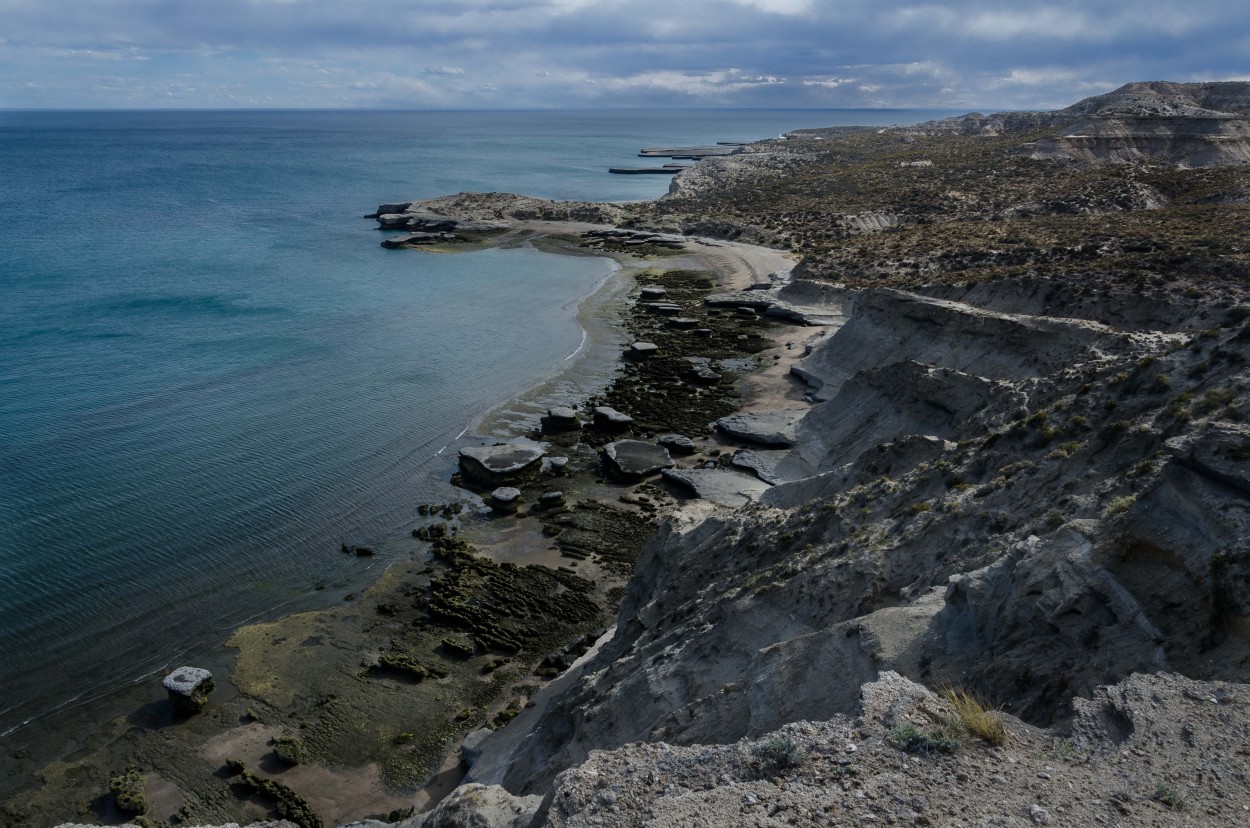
(211, 373)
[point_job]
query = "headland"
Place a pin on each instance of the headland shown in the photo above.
(972, 552)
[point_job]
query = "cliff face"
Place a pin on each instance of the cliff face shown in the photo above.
(1180, 124)
(1030, 480)
(1009, 502)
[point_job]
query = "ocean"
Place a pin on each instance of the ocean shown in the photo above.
(211, 374)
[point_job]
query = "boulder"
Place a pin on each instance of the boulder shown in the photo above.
(504, 499)
(473, 805)
(500, 465)
(555, 466)
(642, 350)
(652, 293)
(560, 418)
(549, 500)
(728, 488)
(702, 375)
(773, 465)
(676, 443)
(635, 459)
(609, 419)
(765, 428)
(188, 688)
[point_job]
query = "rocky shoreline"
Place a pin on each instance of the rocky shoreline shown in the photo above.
(990, 566)
(337, 697)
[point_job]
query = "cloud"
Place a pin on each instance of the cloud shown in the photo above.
(510, 53)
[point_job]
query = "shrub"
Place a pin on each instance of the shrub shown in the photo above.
(914, 740)
(975, 717)
(779, 752)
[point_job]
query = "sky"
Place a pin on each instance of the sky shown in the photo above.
(486, 54)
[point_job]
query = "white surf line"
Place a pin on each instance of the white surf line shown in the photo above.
(454, 439)
(580, 345)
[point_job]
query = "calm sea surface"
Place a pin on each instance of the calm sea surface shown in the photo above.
(211, 374)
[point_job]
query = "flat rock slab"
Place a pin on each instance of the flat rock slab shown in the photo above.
(635, 459)
(728, 488)
(609, 419)
(560, 418)
(676, 443)
(504, 499)
(754, 301)
(773, 465)
(642, 350)
(765, 428)
(652, 293)
(683, 323)
(498, 465)
(664, 308)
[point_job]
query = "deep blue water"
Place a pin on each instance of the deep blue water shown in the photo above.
(211, 373)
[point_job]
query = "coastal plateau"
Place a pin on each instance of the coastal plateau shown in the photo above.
(970, 549)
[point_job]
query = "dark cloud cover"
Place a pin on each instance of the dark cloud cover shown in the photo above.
(513, 53)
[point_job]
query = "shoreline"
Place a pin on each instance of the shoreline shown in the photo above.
(597, 311)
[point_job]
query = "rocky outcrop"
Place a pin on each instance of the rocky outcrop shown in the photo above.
(502, 464)
(1136, 758)
(188, 689)
(635, 459)
(720, 486)
(478, 806)
(764, 428)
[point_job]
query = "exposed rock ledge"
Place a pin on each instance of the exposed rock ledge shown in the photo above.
(1152, 749)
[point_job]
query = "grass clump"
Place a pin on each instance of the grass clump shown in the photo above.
(290, 750)
(1169, 796)
(1119, 505)
(976, 717)
(287, 803)
(914, 740)
(779, 752)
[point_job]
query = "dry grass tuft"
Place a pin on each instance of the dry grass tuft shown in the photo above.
(975, 716)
